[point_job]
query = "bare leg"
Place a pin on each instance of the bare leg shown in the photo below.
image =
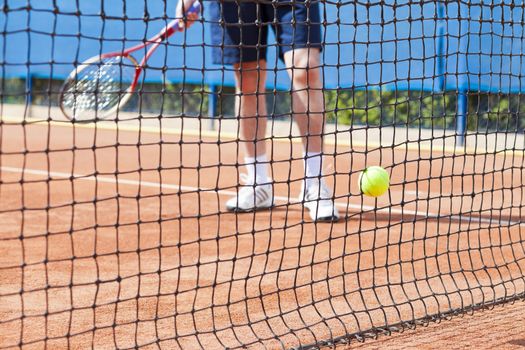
(251, 109)
(308, 112)
(250, 106)
(307, 96)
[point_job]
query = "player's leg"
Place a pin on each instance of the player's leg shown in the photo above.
(250, 108)
(244, 48)
(300, 48)
(307, 103)
(308, 112)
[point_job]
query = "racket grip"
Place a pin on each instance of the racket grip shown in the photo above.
(174, 26)
(195, 8)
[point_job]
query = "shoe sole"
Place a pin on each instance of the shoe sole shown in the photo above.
(239, 210)
(329, 218)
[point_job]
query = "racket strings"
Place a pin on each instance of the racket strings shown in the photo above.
(97, 88)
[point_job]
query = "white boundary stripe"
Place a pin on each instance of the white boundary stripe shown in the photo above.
(425, 194)
(112, 125)
(105, 179)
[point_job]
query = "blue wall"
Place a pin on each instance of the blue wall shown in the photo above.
(396, 45)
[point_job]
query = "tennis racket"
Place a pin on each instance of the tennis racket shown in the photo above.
(98, 87)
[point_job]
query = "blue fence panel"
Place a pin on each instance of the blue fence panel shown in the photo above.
(381, 46)
(485, 46)
(476, 46)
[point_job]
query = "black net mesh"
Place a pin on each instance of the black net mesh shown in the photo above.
(137, 227)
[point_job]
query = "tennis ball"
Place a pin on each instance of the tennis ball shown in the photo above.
(374, 181)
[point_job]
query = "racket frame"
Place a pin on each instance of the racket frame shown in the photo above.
(171, 28)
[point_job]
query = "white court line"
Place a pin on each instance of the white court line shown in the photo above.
(105, 179)
(425, 194)
(124, 126)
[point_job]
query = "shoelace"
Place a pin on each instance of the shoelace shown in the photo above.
(245, 181)
(318, 193)
(243, 177)
(248, 188)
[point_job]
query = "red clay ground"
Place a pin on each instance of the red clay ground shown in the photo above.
(92, 259)
(500, 328)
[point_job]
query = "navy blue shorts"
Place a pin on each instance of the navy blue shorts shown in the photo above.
(239, 28)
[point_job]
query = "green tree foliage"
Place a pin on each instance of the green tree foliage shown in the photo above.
(372, 107)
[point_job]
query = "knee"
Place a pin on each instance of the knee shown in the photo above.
(306, 78)
(249, 84)
(304, 70)
(250, 79)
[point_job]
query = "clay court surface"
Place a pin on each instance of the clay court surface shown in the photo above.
(115, 238)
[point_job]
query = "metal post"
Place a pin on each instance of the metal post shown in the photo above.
(29, 96)
(461, 122)
(441, 47)
(462, 82)
(212, 105)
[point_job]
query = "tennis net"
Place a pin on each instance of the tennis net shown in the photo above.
(115, 233)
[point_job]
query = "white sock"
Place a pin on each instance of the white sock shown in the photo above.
(313, 168)
(257, 169)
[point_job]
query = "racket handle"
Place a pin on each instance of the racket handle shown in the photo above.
(174, 26)
(195, 8)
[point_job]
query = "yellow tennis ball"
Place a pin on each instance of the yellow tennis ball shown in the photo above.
(374, 181)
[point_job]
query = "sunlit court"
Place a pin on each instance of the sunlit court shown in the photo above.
(136, 211)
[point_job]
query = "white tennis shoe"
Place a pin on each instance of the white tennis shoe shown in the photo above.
(319, 201)
(251, 198)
